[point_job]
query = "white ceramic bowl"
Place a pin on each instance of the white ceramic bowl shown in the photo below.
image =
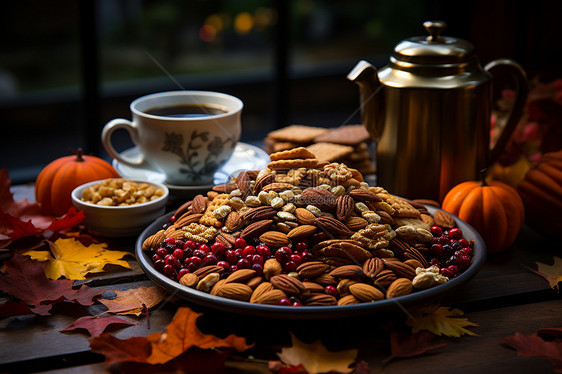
(120, 221)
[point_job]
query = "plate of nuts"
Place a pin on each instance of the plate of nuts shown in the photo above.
(307, 240)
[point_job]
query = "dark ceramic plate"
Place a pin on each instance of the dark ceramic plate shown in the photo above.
(309, 312)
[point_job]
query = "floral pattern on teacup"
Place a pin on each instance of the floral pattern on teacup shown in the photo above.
(194, 169)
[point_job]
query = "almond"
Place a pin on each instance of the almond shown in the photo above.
(205, 270)
(443, 219)
(347, 271)
(225, 187)
(260, 290)
(243, 183)
(344, 207)
(271, 267)
(189, 280)
(187, 219)
(319, 299)
(325, 280)
(312, 269)
(254, 281)
(255, 229)
(304, 216)
(289, 285)
(278, 187)
(301, 232)
(233, 221)
(384, 278)
(311, 287)
(235, 291)
(343, 286)
(199, 204)
(262, 181)
(271, 297)
(183, 209)
(400, 287)
(275, 239)
(365, 292)
(348, 300)
(216, 287)
(413, 263)
(240, 276)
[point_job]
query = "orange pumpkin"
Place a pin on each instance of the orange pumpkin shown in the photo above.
(57, 180)
(494, 209)
(541, 191)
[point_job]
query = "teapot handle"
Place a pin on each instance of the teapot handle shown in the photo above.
(510, 72)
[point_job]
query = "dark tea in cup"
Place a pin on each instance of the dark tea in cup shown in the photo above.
(188, 110)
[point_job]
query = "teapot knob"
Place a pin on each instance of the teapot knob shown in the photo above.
(434, 28)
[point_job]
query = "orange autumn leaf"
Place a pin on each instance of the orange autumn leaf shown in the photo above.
(133, 301)
(183, 333)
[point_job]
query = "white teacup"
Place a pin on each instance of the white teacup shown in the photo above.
(186, 135)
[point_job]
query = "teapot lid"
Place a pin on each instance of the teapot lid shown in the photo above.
(434, 49)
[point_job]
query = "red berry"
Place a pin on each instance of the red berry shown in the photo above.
(170, 240)
(199, 253)
(233, 268)
(290, 266)
(210, 259)
(240, 243)
(331, 290)
(178, 253)
(168, 270)
(231, 256)
(258, 268)
(307, 256)
(173, 219)
(162, 252)
(455, 233)
(434, 261)
(437, 249)
(301, 246)
(181, 273)
(155, 258)
(443, 239)
(169, 259)
(243, 264)
(204, 247)
(218, 249)
(263, 250)
(257, 259)
(190, 244)
(195, 260)
(296, 258)
(297, 303)
(446, 272)
(436, 230)
(463, 242)
(248, 250)
(454, 269)
(283, 254)
(285, 302)
(467, 251)
(225, 265)
(159, 264)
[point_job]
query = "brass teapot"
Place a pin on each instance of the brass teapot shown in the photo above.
(429, 112)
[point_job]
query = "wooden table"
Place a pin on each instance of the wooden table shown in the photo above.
(504, 298)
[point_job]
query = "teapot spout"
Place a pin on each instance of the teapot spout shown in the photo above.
(365, 75)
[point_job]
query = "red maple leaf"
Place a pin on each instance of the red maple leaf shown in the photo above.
(96, 325)
(19, 219)
(14, 308)
(25, 279)
(535, 346)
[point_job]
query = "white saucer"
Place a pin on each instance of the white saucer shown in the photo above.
(245, 157)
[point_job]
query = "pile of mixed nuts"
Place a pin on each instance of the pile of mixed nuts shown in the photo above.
(302, 232)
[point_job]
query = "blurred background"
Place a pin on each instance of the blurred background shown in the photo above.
(67, 67)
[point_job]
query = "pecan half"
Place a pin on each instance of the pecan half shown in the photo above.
(344, 207)
(289, 285)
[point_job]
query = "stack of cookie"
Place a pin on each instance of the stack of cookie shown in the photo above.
(346, 144)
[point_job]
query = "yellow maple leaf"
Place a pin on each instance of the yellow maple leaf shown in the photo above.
(71, 259)
(552, 273)
(439, 320)
(133, 301)
(315, 358)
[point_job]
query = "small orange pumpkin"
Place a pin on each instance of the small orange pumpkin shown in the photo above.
(541, 191)
(494, 209)
(57, 180)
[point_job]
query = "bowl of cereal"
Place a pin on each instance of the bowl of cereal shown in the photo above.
(120, 207)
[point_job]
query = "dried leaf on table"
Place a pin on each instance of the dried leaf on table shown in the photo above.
(96, 325)
(552, 273)
(439, 320)
(70, 259)
(535, 346)
(315, 358)
(19, 219)
(12, 308)
(182, 334)
(25, 279)
(409, 345)
(134, 301)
